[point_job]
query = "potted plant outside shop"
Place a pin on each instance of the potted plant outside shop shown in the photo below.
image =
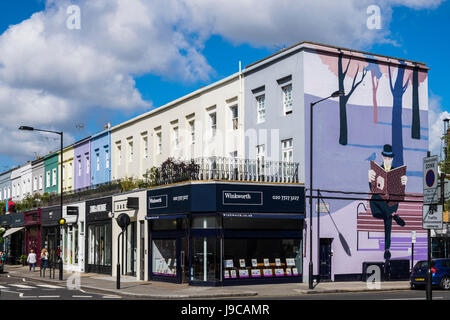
(23, 260)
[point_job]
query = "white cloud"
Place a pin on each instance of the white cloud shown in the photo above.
(54, 77)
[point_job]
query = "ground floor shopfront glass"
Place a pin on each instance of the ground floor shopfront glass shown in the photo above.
(169, 249)
(210, 250)
(99, 247)
(130, 255)
(51, 241)
(15, 247)
(71, 244)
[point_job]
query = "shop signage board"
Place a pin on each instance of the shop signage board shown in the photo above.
(72, 210)
(430, 180)
(432, 216)
(226, 197)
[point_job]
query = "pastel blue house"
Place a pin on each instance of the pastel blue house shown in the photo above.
(101, 157)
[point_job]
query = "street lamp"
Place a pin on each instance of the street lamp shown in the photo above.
(27, 128)
(333, 95)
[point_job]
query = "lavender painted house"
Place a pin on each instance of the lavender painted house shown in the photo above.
(82, 158)
(100, 157)
(385, 103)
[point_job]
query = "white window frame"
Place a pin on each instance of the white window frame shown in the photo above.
(261, 108)
(287, 150)
(48, 179)
(54, 177)
(107, 158)
(79, 166)
(288, 103)
(192, 129)
(144, 146)
(234, 119)
(97, 160)
(35, 181)
(158, 142)
(119, 153)
(176, 136)
(40, 182)
(130, 148)
(88, 164)
(212, 124)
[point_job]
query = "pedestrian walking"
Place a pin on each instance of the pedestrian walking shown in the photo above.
(32, 260)
(44, 259)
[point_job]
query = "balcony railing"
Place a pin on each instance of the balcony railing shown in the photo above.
(224, 168)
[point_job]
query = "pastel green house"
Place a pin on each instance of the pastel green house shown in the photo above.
(51, 182)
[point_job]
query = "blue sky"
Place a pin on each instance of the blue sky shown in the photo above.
(211, 47)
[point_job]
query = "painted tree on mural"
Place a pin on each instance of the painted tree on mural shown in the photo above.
(415, 125)
(343, 134)
(352, 70)
(397, 90)
(376, 75)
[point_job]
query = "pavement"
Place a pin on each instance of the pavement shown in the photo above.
(163, 290)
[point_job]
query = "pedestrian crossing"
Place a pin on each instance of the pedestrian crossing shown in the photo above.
(27, 291)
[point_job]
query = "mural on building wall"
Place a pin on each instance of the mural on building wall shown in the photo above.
(381, 120)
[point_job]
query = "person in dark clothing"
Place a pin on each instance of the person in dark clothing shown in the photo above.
(380, 208)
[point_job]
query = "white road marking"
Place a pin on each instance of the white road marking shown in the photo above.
(2, 287)
(48, 296)
(23, 286)
(49, 286)
(414, 298)
(81, 296)
(111, 297)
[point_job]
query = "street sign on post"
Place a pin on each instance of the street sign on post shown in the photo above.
(430, 180)
(432, 216)
(413, 237)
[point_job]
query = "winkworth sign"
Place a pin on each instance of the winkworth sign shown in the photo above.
(244, 198)
(226, 197)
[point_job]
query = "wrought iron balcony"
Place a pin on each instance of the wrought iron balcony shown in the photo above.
(227, 168)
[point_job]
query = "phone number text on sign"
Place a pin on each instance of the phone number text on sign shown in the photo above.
(286, 198)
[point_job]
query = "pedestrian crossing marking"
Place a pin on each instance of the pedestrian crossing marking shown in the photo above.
(111, 297)
(2, 287)
(50, 286)
(23, 286)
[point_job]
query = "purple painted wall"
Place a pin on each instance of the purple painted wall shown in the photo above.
(82, 172)
(376, 113)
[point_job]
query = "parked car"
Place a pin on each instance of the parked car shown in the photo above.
(440, 270)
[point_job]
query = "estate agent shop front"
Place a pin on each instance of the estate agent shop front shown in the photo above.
(214, 233)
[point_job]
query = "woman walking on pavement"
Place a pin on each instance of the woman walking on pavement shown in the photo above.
(44, 259)
(32, 260)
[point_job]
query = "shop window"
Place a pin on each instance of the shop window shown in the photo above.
(247, 258)
(208, 222)
(76, 244)
(262, 223)
(164, 257)
(205, 259)
(169, 224)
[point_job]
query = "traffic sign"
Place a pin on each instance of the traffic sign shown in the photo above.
(413, 237)
(432, 216)
(430, 180)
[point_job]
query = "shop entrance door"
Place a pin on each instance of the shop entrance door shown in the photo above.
(99, 248)
(325, 259)
(142, 250)
(205, 257)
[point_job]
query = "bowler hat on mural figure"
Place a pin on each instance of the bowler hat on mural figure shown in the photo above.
(380, 207)
(387, 151)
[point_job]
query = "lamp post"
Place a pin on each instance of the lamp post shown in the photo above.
(333, 95)
(60, 133)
